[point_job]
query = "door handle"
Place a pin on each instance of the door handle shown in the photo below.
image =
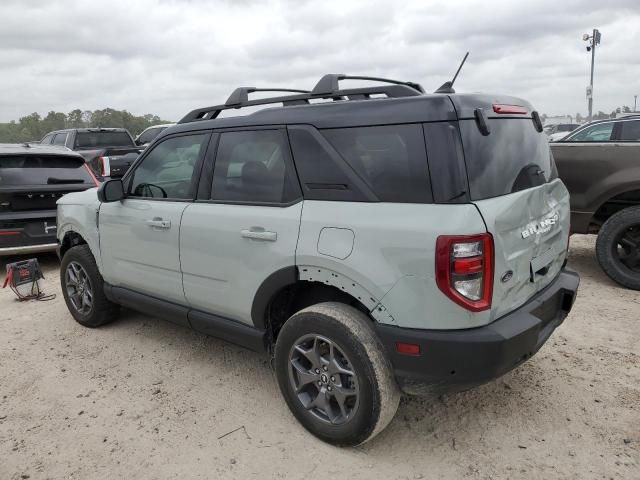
(258, 233)
(159, 223)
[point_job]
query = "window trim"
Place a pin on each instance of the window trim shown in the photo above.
(129, 176)
(356, 181)
(205, 191)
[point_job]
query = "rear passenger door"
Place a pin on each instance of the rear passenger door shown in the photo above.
(244, 225)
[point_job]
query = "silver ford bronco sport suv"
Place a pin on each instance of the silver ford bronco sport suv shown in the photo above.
(374, 240)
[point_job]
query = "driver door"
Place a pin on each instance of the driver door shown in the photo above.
(139, 236)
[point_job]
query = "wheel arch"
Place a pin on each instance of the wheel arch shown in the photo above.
(70, 239)
(290, 289)
(615, 201)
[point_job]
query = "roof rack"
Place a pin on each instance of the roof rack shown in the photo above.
(326, 88)
(329, 83)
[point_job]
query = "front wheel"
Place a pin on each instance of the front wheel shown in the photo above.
(334, 375)
(83, 288)
(618, 247)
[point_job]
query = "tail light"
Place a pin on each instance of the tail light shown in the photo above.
(104, 165)
(93, 177)
(464, 269)
(509, 109)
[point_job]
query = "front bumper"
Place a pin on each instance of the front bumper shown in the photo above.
(453, 360)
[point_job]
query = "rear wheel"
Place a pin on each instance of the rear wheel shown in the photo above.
(83, 288)
(334, 374)
(618, 247)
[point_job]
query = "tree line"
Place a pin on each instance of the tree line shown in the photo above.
(33, 127)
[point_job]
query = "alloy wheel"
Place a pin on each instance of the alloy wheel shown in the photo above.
(79, 288)
(323, 379)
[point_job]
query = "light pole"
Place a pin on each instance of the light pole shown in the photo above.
(635, 102)
(593, 39)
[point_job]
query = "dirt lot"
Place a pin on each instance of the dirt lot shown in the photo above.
(142, 398)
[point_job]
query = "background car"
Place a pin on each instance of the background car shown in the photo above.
(559, 131)
(32, 179)
(149, 134)
(600, 165)
(109, 152)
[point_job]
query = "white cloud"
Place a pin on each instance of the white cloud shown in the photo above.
(168, 57)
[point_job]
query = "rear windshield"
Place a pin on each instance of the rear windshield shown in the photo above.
(513, 157)
(103, 139)
(42, 170)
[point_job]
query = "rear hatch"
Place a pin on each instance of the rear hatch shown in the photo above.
(514, 184)
(34, 182)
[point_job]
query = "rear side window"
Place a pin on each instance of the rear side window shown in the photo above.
(513, 157)
(103, 139)
(630, 131)
(60, 139)
(390, 159)
(253, 167)
(43, 170)
(323, 174)
(596, 133)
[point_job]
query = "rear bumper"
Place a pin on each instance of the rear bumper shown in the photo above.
(452, 360)
(28, 249)
(27, 233)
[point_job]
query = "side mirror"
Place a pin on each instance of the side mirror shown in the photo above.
(111, 191)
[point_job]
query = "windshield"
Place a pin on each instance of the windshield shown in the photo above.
(101, 139)
(42, 170)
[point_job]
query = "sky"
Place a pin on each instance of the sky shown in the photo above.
(168, 57)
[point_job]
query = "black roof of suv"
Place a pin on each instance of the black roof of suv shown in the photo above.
(327, 106)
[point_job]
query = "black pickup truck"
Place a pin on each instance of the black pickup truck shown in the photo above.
(108, 151)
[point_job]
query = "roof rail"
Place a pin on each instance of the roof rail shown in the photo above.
(241, 94)
(326, 88)
(329, 83)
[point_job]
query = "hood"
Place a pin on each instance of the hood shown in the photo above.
(85, 197)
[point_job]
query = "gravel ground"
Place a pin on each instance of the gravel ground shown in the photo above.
(142, 398)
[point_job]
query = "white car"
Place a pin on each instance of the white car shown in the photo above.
(559, 131)
(149, 134)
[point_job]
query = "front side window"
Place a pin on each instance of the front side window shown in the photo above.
(47, 139)
(252, 166)
(167, 171)
(596, 133)
(630, 131)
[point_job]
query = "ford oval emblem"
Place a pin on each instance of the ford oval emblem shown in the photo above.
(508, 275)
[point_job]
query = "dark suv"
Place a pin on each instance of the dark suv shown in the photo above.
(32, 179)
(373, 240)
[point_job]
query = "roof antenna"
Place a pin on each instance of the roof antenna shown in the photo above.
(447, 87)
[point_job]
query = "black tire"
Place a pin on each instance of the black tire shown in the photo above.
(618, 247)
(356, 348)
(101, 310)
